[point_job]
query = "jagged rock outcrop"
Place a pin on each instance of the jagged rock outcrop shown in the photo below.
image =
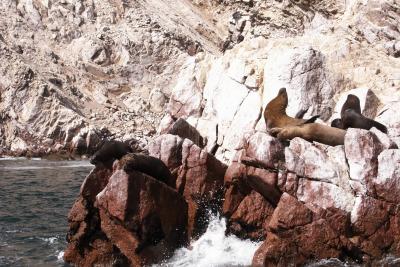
(300, 200)
(320, 210)
(129, 216)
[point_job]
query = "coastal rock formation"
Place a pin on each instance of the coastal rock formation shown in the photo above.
(128, 216)
(300, 200)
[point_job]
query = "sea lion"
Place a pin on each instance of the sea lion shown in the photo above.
(110, 151)
(353, 119)
(275, 113)
(311, 132)
(352, 102)
(337, 123)
(146, 164)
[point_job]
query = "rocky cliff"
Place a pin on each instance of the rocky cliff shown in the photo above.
(305, 201)
(77, 71)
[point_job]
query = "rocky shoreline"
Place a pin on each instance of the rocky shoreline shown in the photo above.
(307, 201)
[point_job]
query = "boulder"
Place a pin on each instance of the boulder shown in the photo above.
(362, 149)
(135, 210)
(297, 234)
(200, 181)
(251, 217)
(387, 182)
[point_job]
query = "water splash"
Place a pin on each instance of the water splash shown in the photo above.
(214, 249)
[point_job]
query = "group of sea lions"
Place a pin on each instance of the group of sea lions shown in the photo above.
(280, 125)
(129, 161)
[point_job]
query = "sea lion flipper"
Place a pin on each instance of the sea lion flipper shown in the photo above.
(300, 113)
(274, 131)
(312, 119)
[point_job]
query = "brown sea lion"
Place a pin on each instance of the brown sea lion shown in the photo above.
(353, 119)
(110, 151)
(311, 132)
(147, 164)
(275, 113)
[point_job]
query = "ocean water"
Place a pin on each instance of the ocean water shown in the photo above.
(35, 197)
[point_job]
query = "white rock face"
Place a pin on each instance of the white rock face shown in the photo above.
(302, 72)
(389, 116)
(265, 149)
(387, 182)
(112, 64)
(362, 149)
(306, 160)
(324, 195)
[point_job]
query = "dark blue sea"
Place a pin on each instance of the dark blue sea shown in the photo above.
(35, 197)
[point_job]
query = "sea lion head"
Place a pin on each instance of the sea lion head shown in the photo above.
(110, 151)
(337, 123)
(282, 99)
(352, 102)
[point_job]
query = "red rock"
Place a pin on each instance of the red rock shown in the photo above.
(143, 205)
(300, 235)
(232, 199)
(126, 241)
(250, 217)
(101, 252)
(265, 183)
(289, 213)
(368, 215)
(201, 178)
(94, 183)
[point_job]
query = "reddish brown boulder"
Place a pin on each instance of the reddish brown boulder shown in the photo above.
(136, 214)
(251, 217)
(200, 181)
(289, 213)
(199, 177)
(88, 245)
(130, 223)
(297, 235)
(264, 182)
(94, 183)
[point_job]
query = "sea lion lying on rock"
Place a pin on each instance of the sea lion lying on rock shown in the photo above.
(311, 132)
(110, 151)
(275, 113)
(146, 164)
(351, 117)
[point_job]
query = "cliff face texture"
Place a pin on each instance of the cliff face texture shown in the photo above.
(77, 71)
